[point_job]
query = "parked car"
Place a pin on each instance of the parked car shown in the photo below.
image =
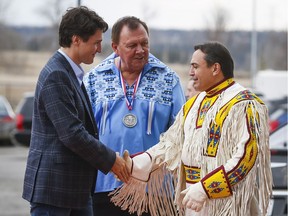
(278, 118)
(278, 145)
(279, 138)
(279, 171)
(7, 120)
(22, 133)
(273, 105)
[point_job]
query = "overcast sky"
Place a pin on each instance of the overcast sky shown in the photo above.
(164, 14)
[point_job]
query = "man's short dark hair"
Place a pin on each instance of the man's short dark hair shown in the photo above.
(79, 21)
(131, 22)
(216, 52)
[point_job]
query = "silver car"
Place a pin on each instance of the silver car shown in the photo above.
(7, 120)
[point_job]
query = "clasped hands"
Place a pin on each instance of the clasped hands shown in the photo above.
(139, 166)
(120, 169)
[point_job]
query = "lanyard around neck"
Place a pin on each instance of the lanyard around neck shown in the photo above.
(136, 84)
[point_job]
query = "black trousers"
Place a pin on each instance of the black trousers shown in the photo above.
(103, 207)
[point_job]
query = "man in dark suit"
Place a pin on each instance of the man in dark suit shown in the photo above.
(65, 152)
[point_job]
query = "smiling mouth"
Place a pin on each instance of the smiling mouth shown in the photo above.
(139, 57)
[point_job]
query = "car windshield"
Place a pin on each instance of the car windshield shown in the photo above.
(27, 107)
(3, 109)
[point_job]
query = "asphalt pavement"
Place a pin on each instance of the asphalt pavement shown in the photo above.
(12, 167)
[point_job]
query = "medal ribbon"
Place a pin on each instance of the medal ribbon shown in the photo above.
(136, 84)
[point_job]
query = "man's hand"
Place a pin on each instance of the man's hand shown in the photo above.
(128, 160)
(140, 166)
(120, 169)
(194, 197)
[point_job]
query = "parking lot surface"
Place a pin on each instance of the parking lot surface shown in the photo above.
(12, 167)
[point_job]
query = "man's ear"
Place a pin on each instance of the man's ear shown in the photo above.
(216, 69)
(115, 47)
(76, 40)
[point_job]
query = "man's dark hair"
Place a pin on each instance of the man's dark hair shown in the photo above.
(216, 52)
(131, 22)
(79, 21)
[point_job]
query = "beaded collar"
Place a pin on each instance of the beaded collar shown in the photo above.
(218, 88)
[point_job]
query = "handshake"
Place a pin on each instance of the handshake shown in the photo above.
(138, 165)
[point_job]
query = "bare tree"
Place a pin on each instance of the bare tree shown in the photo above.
(4, 5)
(216, 26)
(53, 14)
(273, 53)
(9, 40)
(147, 12)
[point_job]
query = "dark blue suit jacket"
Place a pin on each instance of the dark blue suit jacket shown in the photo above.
(65, 152)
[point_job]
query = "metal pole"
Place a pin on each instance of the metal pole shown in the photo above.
(253, 45)
(79, 3)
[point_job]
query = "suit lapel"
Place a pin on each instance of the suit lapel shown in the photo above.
(88, 107)
(81, 90)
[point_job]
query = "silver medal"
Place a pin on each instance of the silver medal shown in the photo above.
(129, 120)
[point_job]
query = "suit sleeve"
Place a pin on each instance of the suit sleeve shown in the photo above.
(65, 110)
